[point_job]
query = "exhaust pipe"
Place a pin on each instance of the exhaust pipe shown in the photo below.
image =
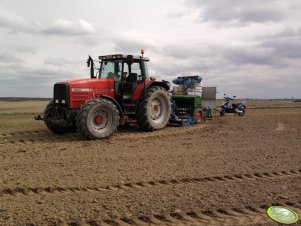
(239, 111)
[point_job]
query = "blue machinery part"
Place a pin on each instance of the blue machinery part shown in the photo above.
(188, 81)
(181, 116)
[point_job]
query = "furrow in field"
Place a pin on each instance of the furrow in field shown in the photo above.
(147, 184)
(30, 137)
(245, 215)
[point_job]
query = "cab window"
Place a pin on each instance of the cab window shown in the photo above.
(110, 69)
(136, 69)
(146, 69)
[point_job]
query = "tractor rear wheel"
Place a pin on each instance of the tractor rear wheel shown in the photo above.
(154, 109)
(98, 119)
(55, 123)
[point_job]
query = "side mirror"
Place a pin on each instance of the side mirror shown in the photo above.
(234, 96)
(90, 64)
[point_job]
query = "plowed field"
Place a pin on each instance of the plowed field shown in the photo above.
(224, 172)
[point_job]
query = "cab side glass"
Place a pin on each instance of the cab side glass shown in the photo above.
(136, 69)
(107, 70)
(146, 70)
(125, 70)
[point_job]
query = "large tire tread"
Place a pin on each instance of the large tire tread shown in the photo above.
(83, 115)
(143, 121)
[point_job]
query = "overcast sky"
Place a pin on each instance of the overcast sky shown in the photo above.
(245, 48)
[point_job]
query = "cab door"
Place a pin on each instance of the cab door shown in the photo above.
(142, 82)
(132, 75)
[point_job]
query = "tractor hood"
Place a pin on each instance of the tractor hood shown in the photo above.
(82, 90)
(91, 85)
(86, 81)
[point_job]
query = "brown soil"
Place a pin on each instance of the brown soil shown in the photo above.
(224, 172)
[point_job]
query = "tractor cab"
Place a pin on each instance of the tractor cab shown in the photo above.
(127, 71)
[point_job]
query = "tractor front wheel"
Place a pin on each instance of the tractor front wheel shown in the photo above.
(154, 109)
(98, 119)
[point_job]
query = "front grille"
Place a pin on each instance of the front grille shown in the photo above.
(61, 92)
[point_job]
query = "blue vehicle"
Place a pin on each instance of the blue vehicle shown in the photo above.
(238, 108)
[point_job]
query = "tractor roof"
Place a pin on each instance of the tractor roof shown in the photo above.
(122, 57)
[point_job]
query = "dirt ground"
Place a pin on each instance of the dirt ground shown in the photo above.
(227, 171)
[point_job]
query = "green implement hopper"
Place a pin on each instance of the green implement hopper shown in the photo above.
(184, 109)
(185, 101)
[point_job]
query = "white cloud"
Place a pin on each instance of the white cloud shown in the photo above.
(240, 13)
(86, 26)
(9, 58)
(66, 27)
(13, 22)
(17, 24)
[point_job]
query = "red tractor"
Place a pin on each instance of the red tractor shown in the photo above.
(121, 92)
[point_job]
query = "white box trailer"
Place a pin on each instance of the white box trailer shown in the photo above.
(209, 97)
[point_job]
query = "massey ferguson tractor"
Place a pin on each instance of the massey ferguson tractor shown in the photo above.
(120, 92)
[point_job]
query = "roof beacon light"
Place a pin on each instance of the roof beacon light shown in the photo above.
(142, 52)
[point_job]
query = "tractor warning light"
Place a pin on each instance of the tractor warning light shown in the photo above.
(142, 52)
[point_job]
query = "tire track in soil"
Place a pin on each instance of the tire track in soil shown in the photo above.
(25, 132)
(245, 215)
(147, 184)
(165, 133)
(30, 137)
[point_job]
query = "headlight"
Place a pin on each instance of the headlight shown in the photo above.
(63, 101)
(56, 101)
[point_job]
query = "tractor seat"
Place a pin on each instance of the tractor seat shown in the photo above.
(133, 77)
